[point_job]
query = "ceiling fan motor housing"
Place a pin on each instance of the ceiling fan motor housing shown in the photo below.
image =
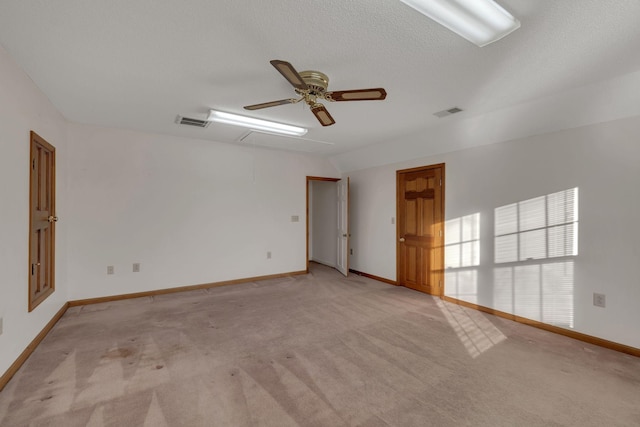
(317, 81)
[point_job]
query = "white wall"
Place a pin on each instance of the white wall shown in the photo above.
(189, 211)
(324, 222)
(24, 108)
(601, 160)
(599, 102)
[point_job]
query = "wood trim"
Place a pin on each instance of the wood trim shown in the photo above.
(600, 342)
(111, 298)
(312, 178)
(31, 347)
(320, 178)
(371, 276)
(422, 168)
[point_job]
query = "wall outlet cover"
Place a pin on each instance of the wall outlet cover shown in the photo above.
(110, 269)
(599, 300)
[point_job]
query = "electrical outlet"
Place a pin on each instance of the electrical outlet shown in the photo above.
(295, 218)
(136, 267)
(269, 255)
(599, 300)
(393, 220)
(351, 251)
(110, 269)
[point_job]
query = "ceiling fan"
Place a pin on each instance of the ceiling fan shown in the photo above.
(311, 86)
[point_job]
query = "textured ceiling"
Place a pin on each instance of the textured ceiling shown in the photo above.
(138, 64)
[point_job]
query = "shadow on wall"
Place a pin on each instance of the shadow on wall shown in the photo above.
(535, 244)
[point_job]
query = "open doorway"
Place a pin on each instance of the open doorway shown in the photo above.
(328, 222)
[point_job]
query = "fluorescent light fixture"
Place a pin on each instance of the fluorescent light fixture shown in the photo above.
(479, 21)
(256, 124)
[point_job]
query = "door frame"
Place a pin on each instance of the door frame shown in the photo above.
(313, 178)
(438, 266)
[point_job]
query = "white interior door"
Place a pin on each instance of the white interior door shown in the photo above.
(343, 226)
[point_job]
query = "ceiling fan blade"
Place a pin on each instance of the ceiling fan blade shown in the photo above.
(322, 115)
(270, 104)
(289, 73)
(373, 94)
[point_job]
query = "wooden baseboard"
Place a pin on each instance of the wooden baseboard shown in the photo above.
(371, 276)
(555, 329)
(31, 347)
(111, 298)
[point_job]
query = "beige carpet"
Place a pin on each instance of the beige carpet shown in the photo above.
(314, 350)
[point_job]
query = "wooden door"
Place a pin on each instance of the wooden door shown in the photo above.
(343, 226)
(420, 211)
(42, 221)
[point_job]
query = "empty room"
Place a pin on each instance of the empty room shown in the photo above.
(202, 227)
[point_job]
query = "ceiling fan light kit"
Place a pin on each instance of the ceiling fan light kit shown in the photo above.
(255, 124)
(311, 86)
(480, 21)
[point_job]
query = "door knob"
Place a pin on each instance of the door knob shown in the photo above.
(402, 239)
(52, 218)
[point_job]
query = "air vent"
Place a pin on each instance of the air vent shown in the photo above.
(192, 122)
(445, 113)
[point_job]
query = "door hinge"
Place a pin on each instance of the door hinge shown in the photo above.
(33, 164)
(440, 232)
(440, 182)
(33, 269)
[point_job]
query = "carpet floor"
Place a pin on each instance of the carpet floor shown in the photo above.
(313, 350)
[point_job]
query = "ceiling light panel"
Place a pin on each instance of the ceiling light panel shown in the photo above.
(255, 124)
(480, 21)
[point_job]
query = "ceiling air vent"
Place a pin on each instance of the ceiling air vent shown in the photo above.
(445, 113)
(192, 122)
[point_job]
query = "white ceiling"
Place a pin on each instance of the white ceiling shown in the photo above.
(138, 64)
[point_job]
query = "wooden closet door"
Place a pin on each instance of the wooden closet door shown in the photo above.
(42, 221)
(420, 229)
